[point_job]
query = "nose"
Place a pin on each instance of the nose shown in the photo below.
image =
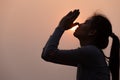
(77, 24)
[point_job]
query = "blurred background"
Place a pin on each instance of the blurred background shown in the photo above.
(25, 26)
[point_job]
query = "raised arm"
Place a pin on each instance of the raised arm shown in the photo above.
(67, 57)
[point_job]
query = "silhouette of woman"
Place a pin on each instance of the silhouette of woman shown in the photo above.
(90, 60)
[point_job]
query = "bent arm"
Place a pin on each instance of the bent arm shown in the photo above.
(51, 52)
(67, 57)
(73, 57)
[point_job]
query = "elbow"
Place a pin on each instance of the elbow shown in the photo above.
(48, 55)
(42, 56)
(45, 55)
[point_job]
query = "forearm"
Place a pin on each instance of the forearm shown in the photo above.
(53, 41)
(50, 51)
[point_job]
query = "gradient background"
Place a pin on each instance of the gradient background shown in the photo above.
(25, 26)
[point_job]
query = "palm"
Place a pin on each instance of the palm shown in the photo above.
(68, 20)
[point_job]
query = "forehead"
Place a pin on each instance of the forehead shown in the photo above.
(89, 20)
(88, 23)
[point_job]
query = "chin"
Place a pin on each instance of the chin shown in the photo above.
(75, 35)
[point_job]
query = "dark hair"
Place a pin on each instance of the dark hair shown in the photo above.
(103, 29)
(114, 57)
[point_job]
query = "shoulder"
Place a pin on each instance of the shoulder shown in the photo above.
(93, 54)
(90, 50)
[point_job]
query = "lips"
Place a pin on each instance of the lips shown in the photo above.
(77, 28)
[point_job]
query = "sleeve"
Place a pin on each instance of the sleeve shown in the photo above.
(73, 57)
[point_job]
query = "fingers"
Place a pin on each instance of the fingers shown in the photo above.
(71, 18)
(67, 21)
(74, 24)
(75, 14)
(69, 13)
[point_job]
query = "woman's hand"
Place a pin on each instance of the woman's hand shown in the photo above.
(67, 21)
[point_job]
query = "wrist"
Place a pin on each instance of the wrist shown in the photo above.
(61, 28)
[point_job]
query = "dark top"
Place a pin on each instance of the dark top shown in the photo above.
(89, 60)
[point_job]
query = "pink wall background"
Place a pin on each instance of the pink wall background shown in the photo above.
(25, 26)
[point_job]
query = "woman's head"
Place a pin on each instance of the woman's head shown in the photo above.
(98, 28)
(103, 29)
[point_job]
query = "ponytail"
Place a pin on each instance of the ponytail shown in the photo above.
(114, 58)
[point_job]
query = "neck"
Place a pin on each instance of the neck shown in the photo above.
(86, 42)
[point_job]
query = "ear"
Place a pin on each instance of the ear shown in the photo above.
(92, 33)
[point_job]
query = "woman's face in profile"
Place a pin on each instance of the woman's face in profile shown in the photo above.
(83, 29)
